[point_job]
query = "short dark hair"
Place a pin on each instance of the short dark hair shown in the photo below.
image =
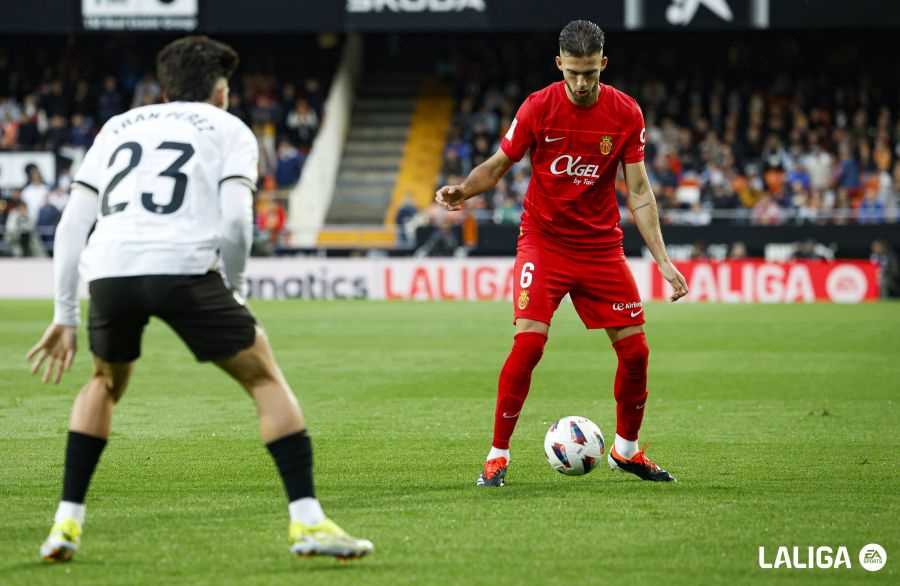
(581, 38)
(189, 68)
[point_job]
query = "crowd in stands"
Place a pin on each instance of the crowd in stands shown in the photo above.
(57, 98)
(759, 129)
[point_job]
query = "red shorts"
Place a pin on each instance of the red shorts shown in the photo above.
(600, 284)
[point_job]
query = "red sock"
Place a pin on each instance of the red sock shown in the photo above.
(515, 379)
(631, 384)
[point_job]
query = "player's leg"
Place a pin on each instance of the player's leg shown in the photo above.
(116, 323)
(538, 289)
(284, 432)
(217, 328)
(630, 390)
(89, 426)
(608, 298)
(630, 344)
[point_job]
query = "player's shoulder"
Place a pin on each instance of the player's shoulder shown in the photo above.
(232, 126)
(621, 99)
(545, 94)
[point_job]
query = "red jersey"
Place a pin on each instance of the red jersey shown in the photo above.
(575, 153)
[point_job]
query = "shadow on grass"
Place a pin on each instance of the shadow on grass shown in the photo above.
(38, 565)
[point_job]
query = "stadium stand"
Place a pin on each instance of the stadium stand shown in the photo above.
(56, 99)
(733, 136)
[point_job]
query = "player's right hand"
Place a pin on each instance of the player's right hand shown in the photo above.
(59, 343)
(451, 197)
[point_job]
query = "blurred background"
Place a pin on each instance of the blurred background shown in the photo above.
(773, 128)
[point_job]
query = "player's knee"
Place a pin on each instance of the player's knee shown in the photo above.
(257, 370)
(633, 352)
(113, 383)
(530, 344)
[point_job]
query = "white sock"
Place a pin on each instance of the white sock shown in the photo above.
(626, 448)
(67, 510)
(497, 453)
(307, 511)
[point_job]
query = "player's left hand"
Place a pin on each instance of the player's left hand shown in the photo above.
(675, 278)
(59, 343)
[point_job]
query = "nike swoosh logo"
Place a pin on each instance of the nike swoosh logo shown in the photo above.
(636, 313)
(513, 416)
(548, 139)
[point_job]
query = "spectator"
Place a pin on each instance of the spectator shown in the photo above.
(871, 210)
(405, 213)
(146, 91)
(808, 250)
(738, 251)
(889, 268)
(442, 242)
(766, 211)
(509, 211)
(32, 124)
(110, 102)
(271, 219)
(289, 165)
(81, 132)
(313, 91)
(698, 251)
(453, 165)
(35, 192)
(236, 107)
(53, 101)
(47, 219)
(19, 228)
(302, 123)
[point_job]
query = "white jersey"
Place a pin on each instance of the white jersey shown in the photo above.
(157, 171)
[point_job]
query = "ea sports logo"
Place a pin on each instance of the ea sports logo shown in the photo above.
(872, 557)
(846, 284)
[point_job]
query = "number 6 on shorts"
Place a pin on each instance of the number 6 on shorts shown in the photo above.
(527, 275)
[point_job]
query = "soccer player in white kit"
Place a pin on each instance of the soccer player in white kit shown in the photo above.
(170, 187)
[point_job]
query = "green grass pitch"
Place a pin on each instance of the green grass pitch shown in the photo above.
(781, 423)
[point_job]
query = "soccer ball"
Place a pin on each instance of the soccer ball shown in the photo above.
(574, 445)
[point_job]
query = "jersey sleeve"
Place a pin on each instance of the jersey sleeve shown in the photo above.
(93, 165)
(634, 142)
(241, 156)
(520, 136)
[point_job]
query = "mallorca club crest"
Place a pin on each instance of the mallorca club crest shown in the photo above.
(606, 145)
(523, 299)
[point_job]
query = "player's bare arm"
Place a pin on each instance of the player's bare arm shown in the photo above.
(58, 345)
(482, 178)
(642, 204)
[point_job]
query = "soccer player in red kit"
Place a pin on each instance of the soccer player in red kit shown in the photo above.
(577, 131)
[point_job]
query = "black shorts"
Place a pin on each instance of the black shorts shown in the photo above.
(201, 310)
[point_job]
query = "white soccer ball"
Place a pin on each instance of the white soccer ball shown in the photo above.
(574, 445)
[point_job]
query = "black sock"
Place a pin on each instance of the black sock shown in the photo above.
(293, 456)
(82, 454)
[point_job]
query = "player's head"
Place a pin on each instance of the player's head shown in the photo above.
(581, 60)
(196, 69)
